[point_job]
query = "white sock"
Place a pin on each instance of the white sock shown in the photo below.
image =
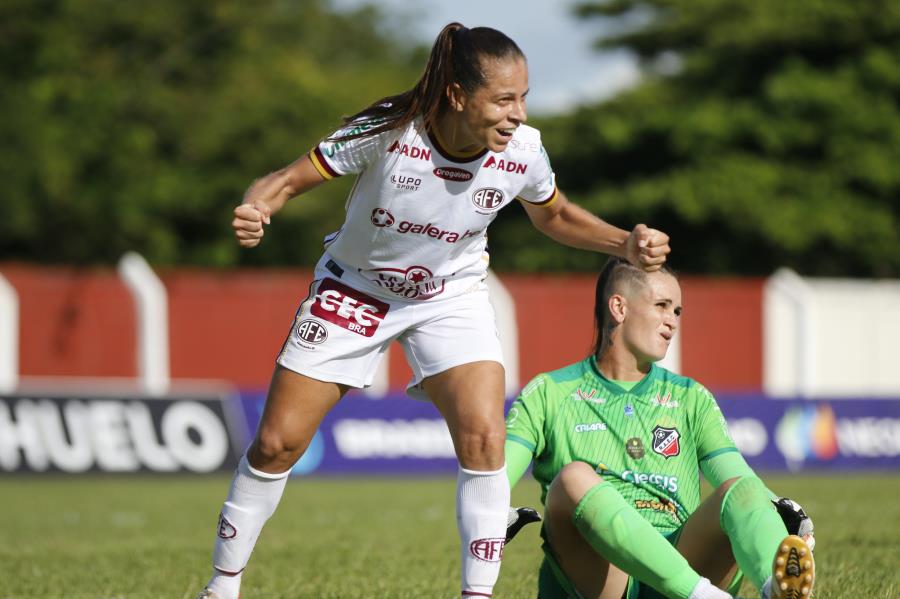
(707, 590)
(252, 499)
(482, 505)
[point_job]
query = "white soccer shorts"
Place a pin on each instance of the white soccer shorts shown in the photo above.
(341, 332)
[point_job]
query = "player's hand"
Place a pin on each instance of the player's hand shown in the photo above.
(647, 248)
(517, 518)
(248, 223)
(795, 520)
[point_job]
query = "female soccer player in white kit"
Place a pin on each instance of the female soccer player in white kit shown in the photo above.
(434, 165)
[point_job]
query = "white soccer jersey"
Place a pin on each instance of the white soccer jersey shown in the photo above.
(418, 215)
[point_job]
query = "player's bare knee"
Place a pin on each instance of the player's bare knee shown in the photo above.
(273, 449)
(482, 450)
(574, 480)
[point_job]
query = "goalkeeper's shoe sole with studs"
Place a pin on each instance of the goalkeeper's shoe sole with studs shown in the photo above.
(793, 570)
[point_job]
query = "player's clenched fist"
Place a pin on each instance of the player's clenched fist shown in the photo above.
(647, 248)
(248, 223)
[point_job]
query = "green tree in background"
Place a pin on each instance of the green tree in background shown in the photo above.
(764, 133)
(138, 126)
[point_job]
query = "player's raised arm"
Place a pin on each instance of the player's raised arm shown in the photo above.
(268, 195)
(572, 225)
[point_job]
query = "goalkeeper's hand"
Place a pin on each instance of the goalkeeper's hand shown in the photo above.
(517, 518)
(795, 520)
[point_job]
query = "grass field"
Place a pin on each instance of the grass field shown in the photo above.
(118, 538)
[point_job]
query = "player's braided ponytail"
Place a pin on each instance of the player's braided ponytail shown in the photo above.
(456, 57)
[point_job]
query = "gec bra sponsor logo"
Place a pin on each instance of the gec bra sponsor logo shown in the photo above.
(452, 173)
(348, 308)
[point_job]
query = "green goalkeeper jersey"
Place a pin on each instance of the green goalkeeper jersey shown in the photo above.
(647, 441)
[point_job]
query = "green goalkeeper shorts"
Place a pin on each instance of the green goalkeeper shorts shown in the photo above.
(553, 583)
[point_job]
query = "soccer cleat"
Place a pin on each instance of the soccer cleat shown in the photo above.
(793, 571)
(517, 518)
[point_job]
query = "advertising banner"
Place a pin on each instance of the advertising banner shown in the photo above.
(119, 434)
(398, 435)
(844, 434)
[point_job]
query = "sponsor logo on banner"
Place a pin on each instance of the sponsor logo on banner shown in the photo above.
(507, 166)
(634, 448)
(366, 438)
(488, 198)
(487, 550)
(665, 441)
(749, 435)
(814, 433)
(226, 529)
(411, 151)
(348, 308)
(312, 331)
(58, 434)
(452, 173)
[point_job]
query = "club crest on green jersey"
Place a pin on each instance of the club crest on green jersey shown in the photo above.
(665, 441)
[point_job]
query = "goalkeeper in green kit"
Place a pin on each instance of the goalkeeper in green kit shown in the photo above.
(618, 445)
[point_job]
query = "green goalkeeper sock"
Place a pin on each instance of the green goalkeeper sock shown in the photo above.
(618, 532)
(753, 526)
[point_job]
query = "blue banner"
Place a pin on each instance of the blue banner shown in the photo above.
(398, 435)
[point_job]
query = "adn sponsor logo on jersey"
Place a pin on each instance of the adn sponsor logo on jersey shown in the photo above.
(411, 151)
(507, 166)
(487, 550)
(312, 331)
(663, 481)
(348, 308)
(664, 401)
(452, 173)
(665, 441)
(381, 218)
(590, 427)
